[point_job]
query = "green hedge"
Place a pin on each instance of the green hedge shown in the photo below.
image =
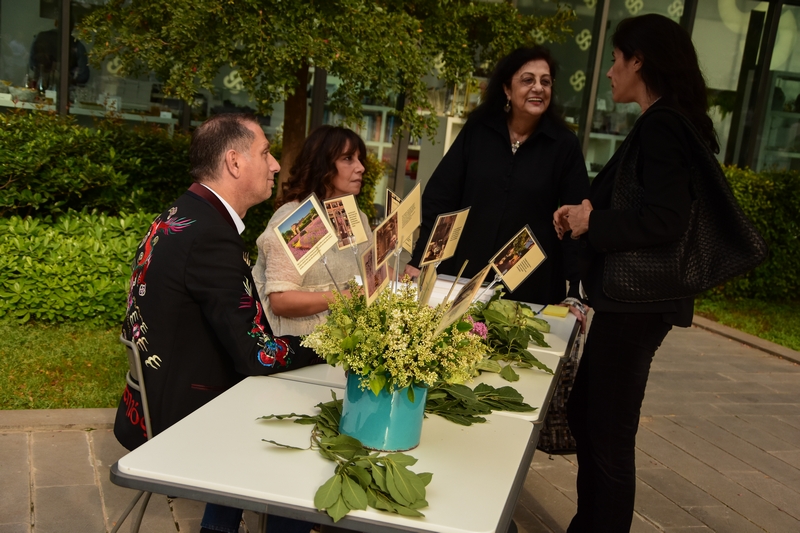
(49, 165)
(772, 201)
(74, 269)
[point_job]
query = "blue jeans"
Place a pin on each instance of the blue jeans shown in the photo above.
(227, 519)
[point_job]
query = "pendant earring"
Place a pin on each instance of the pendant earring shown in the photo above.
(507, 107)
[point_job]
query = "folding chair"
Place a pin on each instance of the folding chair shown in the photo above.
(135, 381)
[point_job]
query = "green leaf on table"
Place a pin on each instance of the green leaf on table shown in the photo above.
(284, 417)
(460, 392)
(392, 488)
(508, 373)
(354, 496)
(406, 483)
(360, 473)
(379, 475)
(425, 477)
(383, 502)
(401, 459)
(342, 445)
(407, 510)
(338, 510)
(328, 493)
(419, 504)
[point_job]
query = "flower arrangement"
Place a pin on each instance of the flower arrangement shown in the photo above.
(393, 343)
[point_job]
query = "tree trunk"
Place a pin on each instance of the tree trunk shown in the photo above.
(294, 125)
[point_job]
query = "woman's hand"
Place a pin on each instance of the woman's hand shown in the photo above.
(580, 310)
(573, 218)
(411, 272)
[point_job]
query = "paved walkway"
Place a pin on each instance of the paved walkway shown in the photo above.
(718, 450)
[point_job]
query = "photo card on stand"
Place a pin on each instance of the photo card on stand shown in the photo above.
(306, 234)
(375, 279)
(346, 220)
(392, 203)
(518, 258)
(444, 237)
(463, 300)
(409, 217)
(386, 237)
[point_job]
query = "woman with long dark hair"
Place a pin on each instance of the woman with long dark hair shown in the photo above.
(331, 163)
(641, 199)
(513, 163)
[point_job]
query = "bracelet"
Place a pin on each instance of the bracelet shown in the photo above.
(577, 304)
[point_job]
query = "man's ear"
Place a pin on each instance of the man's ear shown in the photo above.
(232, 159)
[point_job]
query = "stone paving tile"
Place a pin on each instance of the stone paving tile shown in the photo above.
(61, 458)
(792, 420)
(752, 429)
(558, 470)
(793, 457)
(757, 458)
(659, 510)
(15, 528)
(66, 509)
(669, 365)
(551, 506)
(761, 398)
(675, 487)
(15, 506)
(716, 484)
(781, 496)
(158, 515)
(699, 397)
(678, 385)
(527, 522)
(641, 525)
(765, 378)
(757, 409)
(775, 426)
(765, 363)
(783, 387)
(723, 519)
(670, 408)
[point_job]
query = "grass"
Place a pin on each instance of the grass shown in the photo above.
(778, 322)
(58, 367)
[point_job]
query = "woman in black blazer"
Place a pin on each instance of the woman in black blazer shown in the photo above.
(654, 65)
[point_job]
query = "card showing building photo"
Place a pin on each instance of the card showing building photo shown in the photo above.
(392, 202)
(463, 300)
(518, 258)
(386, 238)
(305, 235)
(375, 279)
(444, 237)
(346, 220)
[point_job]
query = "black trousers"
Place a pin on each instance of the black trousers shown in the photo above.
(603, 412)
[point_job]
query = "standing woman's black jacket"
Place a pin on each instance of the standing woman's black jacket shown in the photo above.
(507, 191)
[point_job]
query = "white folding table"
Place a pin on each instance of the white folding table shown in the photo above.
(216, 454)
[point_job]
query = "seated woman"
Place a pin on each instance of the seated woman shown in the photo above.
(330, 164)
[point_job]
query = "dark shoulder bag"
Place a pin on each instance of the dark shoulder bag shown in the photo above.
(719, 244)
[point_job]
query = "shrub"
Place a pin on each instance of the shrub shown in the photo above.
(771, 200)
(49, 165)
(73, 269)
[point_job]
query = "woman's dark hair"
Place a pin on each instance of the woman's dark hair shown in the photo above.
(315, 165)
(670, 68)
(494, 98)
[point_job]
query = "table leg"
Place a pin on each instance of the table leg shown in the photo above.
(262, 522)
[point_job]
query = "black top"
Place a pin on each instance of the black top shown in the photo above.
(506, 191)
(663, 171)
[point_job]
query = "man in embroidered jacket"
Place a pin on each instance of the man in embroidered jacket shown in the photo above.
(193, 310)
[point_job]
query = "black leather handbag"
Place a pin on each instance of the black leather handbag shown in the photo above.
(719, 244)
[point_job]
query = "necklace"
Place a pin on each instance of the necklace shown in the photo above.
(514, 147)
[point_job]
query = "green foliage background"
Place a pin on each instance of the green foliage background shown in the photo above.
(49, 164)
(771, 200)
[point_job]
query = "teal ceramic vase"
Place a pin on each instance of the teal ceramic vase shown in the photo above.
(387, 422)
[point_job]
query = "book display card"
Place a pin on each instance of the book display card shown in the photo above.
(374, 278)
(305, 235)
(346, 221)
(463, 300)
(444, 237)
(426, 282)
(518, 258)
(409, 217)
(392, 203)
(386, 238)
